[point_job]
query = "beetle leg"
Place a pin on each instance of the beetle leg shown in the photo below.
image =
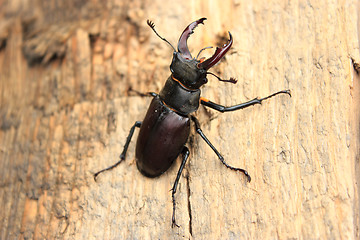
(123, 154)
(153, 94)
(185, 153)
(142, 94)
(221, 108)
(200, 132)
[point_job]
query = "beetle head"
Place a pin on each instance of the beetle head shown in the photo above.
(190, 71)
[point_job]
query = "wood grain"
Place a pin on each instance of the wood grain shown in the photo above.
(65, 111)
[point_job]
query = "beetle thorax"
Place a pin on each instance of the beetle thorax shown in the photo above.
(187, 72)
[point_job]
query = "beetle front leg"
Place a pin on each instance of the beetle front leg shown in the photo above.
(185, 153)
(221, 108)
(200, 132)
(123, 154)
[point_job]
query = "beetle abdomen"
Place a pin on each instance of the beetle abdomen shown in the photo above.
(162, 136)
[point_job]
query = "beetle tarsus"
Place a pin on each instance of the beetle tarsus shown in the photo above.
(137, 124)
(108, 168)
(356, 65)
(200, 132)
(185, 153)
(222, 108)
(288, 92)
(174, 224)
(235, 169)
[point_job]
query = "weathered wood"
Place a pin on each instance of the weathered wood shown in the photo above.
(65, 111)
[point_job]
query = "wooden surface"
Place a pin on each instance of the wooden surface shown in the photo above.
(66, 66)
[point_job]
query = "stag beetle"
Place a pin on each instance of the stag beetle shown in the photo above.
(166, 127)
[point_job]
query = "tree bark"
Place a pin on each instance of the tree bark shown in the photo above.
(65, 111)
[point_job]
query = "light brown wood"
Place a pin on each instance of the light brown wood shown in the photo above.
(65, 112)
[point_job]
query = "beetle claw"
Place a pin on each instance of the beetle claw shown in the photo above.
(174, 223)
(248, 176)
(288, 92)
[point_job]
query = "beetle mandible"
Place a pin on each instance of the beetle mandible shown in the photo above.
(166, 126)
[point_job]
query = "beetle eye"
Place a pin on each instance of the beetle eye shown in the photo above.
(205, 80)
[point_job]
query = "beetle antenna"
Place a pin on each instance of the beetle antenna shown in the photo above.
(152, 25)
(231, 80)
(202, 50)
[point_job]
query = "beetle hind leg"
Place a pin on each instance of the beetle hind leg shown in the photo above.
(137, 124)
(185, 153)
(200, 132)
